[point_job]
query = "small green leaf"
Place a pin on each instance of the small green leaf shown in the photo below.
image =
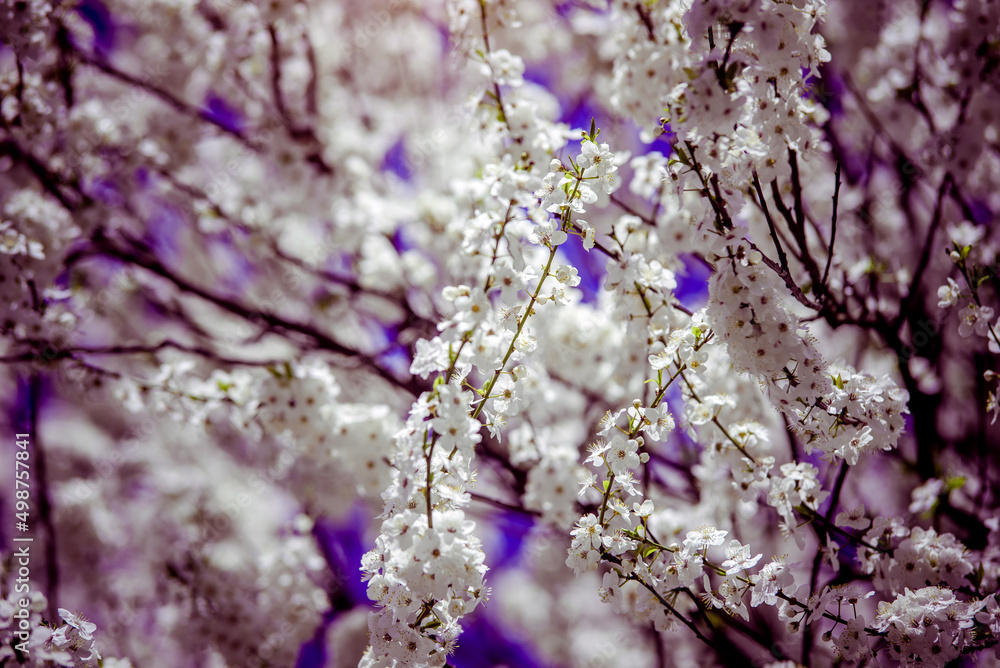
(838, 381)
(976, 577)
(954, 483)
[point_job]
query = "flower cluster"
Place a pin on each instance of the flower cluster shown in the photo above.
(974, 316)
(273, 269)
(911, 559)
(929, 626)
(256, 612)
(27, 638)
(832, 407)
(427, 569)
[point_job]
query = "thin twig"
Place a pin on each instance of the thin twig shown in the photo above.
(782, 258)
(788, 280)
(50, 181)
(833, 231)
(798, 228)
(496, 86)
(271, 320)
(504, 505)
(168, 97)
(925, 254)
(49, 354)
(671, 609)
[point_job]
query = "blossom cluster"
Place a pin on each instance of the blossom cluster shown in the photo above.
(29, 638)
(391, 333)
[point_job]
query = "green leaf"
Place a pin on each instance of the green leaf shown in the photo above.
(593, 128)
(956, 482)
(605, 485)
(838, 381)
(731, 72)
(976, 577)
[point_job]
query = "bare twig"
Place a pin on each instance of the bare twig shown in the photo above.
(787, 280)
(273, 321)
(833, 232)
(782, 258)
(48, 354)
(503, 505)
(168, 97)
(925, 254)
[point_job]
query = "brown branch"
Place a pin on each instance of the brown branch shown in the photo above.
(49, 180)
(796, 224)
(503, 505)
(298, 133)
(925, 253)
(312, 88)
(44, 352)
(787, 280)
(647, 22)
(496, 86)
(164, 95)
(782, 258)
(273, 321)
(833, 232)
